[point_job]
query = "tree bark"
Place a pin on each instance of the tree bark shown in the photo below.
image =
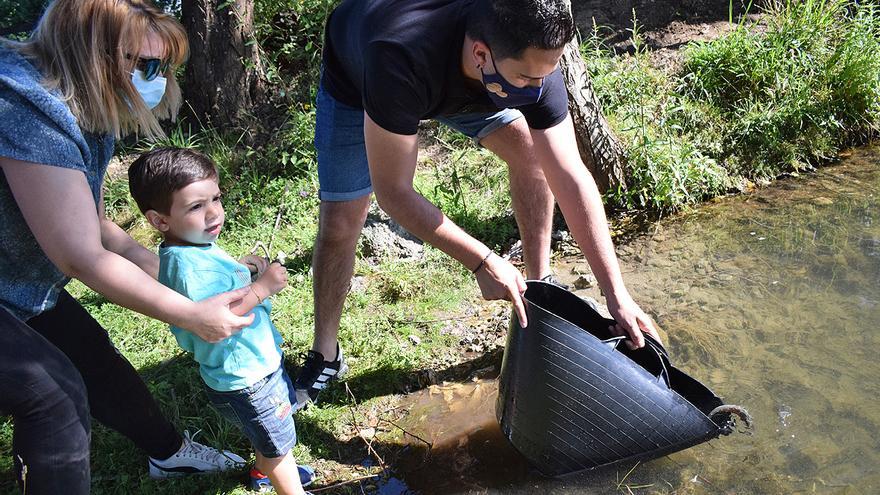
(600, 149)
(224, 75)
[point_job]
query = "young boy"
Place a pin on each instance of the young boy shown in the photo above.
(178, 191)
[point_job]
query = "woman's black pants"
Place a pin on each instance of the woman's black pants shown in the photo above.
(54, 371)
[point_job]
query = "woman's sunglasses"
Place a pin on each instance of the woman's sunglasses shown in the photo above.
(151, 67)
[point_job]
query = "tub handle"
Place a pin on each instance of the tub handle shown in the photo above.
(613, 342)
(663, 357)
(651, 345)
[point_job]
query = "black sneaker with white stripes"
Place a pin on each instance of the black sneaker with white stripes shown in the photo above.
(315, 374)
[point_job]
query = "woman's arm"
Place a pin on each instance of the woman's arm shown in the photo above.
(58, 207)
(118, 241)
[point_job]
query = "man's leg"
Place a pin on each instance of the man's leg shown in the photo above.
(339, 228)
(345, 192)
(531, 197)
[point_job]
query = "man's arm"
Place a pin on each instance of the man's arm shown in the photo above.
(118, 241)
(392, 158)
(581, 204)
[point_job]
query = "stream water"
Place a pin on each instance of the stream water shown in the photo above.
(772, 299)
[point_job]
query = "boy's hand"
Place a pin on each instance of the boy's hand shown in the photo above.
(255, 264)
(273, 279)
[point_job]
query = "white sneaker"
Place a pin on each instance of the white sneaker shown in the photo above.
(194, 458)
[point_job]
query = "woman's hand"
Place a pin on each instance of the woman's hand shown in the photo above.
(213, 321)
(59, 209)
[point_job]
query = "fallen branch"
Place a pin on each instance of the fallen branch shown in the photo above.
(355, 426)
(392, 423)
(343, 483)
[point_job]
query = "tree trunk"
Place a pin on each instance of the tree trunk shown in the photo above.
(224, 75)
(600, 149)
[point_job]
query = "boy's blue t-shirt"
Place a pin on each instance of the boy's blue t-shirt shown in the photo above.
(239, 361)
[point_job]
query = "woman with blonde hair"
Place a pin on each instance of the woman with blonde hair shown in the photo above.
(91, 72)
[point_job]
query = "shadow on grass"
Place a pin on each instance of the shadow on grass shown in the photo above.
(299, 263)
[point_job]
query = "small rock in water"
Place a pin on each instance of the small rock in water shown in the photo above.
(784, 413)
(584, 282)
(580, 269)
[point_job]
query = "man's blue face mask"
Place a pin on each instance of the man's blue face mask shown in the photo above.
(506, 95)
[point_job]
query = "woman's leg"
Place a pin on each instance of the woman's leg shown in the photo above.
(118, 397)
(46, 397)
(282, 472)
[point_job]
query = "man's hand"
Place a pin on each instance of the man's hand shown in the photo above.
(256, 264)
(498, 279)
(273, 280)
(213, 321)
(631, 320)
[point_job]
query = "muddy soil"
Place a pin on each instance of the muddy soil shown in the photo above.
(671, 17)
(665, 26)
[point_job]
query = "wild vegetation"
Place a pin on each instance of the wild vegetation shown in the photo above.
(780, 96)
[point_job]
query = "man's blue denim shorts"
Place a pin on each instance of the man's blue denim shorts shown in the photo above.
(342, 154)
(263, 412)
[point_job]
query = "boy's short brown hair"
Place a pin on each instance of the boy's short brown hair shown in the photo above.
(156, 174)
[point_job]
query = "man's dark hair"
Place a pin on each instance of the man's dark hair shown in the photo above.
(511, 26)
(156, 174)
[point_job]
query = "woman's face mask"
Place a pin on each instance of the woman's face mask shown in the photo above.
(151, 91)
(505, 94)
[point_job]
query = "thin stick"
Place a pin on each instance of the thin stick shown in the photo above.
(627, 474)
(343, 483)
(258, 245)
(281, 208)
(355, 424)
(429, 444)
(267, 250)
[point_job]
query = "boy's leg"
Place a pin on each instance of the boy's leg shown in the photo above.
(282, 472)
(117, 395)
(46, 397)
(264, 413)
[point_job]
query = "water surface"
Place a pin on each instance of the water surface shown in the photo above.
(772, 299)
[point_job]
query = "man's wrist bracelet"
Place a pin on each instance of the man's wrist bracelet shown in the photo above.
(482, 262)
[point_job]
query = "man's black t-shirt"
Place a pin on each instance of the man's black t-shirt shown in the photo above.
(400, 60)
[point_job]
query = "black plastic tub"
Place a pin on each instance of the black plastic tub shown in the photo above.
(573, 398)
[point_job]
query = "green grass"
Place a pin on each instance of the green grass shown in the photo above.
(753, 104)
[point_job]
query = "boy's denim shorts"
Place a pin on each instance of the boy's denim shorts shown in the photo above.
(342, 155)
(263, 412)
